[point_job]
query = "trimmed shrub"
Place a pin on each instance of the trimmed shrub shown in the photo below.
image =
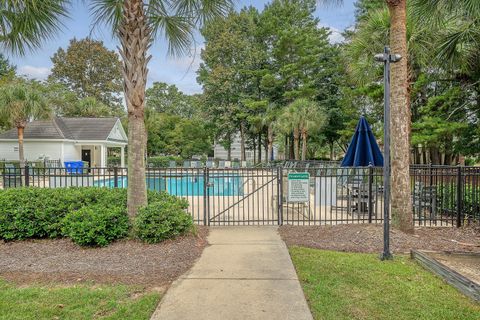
(164, 161)
(38, 212)
(162, 220)
(96, 225)
(90, 216)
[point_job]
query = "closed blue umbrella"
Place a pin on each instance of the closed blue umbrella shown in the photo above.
(363, 150)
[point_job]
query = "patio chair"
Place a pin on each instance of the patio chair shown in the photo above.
(209, 164)
(172, 164)
(424, 199)
(186, 164)
(236, 165)
(195, 164)
(221, 164)
(228, 164)
(244, 164)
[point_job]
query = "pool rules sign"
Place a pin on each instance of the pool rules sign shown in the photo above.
(299, 187)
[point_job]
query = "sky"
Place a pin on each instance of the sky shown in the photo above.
(180, 71)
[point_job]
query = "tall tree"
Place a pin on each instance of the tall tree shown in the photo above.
(400, 119)
(20, 103)
(226, 74)
(89, 69)
(137, 24)
(166, 98)
(401, 201)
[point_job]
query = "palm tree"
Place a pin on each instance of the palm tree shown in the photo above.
(459, 24)
(401, 201)
(302, 117)
(137, 24)
(25, 23)
(19, 104)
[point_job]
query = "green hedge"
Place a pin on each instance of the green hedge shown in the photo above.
(96, 225)
(162, 220)
(164, 161)
(87, 215)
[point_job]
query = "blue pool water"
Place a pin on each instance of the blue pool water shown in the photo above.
(191, 185)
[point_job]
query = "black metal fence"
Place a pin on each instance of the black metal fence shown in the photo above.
(441, 196)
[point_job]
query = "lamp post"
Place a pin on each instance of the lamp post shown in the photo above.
(386, 57)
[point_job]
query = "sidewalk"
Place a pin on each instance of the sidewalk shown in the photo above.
(245, 273)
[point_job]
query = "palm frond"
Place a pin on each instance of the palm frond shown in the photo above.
(108, 13)
(25, 24)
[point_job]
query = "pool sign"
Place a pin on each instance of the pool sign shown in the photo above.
(299, 187)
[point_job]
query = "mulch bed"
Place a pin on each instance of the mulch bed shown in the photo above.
(369, 238)
(127, 262)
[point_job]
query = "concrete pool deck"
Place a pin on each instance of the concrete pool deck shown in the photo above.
(245, 273)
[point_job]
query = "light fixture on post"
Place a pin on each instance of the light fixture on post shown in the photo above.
(387, 58)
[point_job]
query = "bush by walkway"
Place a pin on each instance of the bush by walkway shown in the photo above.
(89, 216)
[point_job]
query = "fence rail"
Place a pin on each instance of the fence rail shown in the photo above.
(441, 195)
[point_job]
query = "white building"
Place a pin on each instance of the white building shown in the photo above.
(220, 153)
(67, 139)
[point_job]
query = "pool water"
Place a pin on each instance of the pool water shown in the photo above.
(191, 185)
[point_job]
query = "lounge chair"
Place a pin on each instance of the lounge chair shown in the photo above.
(195, 164)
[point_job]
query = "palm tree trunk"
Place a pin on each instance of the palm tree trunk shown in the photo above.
(242, 142)
(304, 144)
(135, 38)
(296, 143)
(270, 141)
(400, 120)
(21, 150)
(21, 154)
(259, 146)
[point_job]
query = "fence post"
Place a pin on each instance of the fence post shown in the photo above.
(27, 175)
(459, 196)
(115, 176)
(280, 196)
(206, 219)
(370, 182)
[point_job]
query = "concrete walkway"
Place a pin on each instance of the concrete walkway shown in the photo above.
(245, 273)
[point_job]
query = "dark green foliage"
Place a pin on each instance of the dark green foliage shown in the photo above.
(89, 216)
(163, 161)
(162, 220)
(38, 213)
(96, 225)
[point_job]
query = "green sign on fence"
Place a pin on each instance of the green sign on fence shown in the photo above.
(299, 187)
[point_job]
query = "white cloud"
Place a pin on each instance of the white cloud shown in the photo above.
(39, 73)
(335, 34)
(191, 61)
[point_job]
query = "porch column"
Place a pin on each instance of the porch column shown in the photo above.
(103, 153)
(122, 157)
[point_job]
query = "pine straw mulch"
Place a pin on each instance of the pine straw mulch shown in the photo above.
(123, 262)
(369, 238)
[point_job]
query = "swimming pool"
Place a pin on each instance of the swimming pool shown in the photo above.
(188, 185)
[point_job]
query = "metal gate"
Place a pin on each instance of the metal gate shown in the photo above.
(242, 196)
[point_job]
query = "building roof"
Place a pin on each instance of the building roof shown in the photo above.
(66, 128)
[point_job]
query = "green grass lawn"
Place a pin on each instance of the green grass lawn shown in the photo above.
(359, 286)
(75, 302)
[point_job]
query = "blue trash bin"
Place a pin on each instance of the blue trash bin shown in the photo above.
(74, 167)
